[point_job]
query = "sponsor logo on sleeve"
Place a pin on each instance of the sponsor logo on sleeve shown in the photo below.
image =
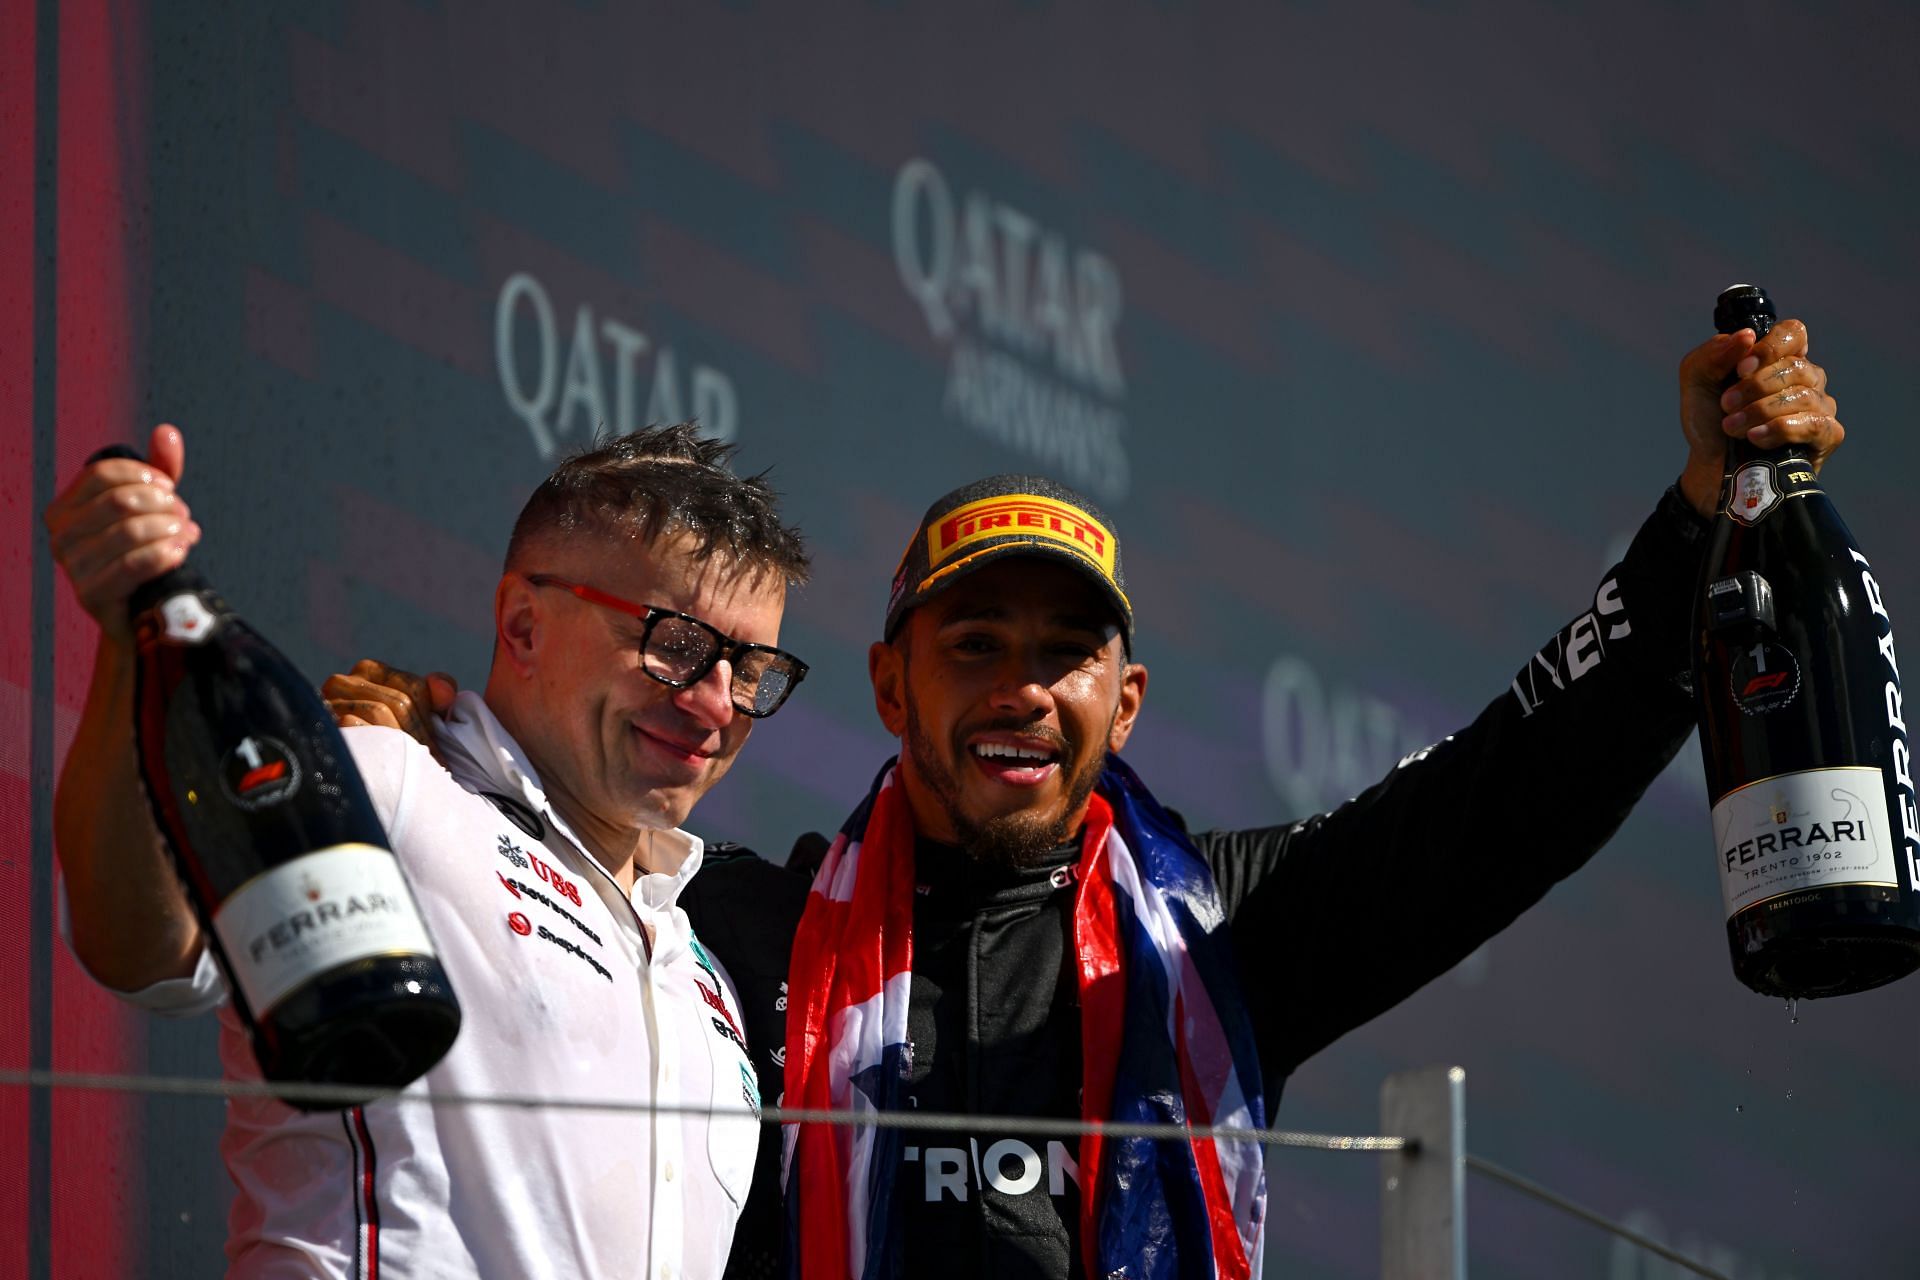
(1578, 649)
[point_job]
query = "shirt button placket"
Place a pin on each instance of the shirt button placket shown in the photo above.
(669, 1204)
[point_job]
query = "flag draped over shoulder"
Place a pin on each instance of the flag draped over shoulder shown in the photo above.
(1164, 1039)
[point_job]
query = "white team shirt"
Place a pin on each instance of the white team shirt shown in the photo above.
(559, 999)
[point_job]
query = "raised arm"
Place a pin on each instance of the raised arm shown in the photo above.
(118, 524)
(1340, 917)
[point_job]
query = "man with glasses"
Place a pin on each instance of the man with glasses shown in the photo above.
(637, 626)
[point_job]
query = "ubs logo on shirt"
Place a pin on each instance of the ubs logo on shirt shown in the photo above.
(551, 874)
(548, 873)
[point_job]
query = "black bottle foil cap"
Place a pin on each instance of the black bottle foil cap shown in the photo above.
(1743, 306)
(169, 584)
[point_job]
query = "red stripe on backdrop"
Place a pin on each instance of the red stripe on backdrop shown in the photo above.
(17, 545)
(97, 1191)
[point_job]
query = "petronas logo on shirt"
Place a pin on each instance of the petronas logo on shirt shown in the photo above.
(701, 958)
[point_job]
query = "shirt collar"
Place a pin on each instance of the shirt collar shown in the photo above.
(482, 756)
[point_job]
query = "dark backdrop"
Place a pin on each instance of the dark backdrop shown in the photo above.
(1361, 321)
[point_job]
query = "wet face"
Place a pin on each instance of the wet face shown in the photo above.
(616, 749)
(1007, 691)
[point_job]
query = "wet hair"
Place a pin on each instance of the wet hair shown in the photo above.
(660, 481)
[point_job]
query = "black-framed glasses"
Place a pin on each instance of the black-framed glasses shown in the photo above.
(678, 650)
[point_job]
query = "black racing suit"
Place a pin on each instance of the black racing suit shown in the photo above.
(1443, 852)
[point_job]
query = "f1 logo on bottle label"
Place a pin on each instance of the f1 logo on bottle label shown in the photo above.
(259, 771)
(1763, 678)
(1753, 493)
(1807, 830)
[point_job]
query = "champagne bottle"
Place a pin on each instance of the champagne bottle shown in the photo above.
(299, 895)
(1802, 730)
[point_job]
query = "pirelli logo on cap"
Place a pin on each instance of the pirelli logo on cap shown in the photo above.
(1021, 515)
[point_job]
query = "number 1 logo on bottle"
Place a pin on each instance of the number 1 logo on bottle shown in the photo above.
(1763, 677)
(259, 771)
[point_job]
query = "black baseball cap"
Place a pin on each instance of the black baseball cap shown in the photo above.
(1001, 516)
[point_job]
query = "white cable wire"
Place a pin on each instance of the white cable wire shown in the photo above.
(1529, 1187)
(937, 1121)
(925, 1121)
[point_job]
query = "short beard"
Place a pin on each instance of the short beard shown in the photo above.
(1015, 840)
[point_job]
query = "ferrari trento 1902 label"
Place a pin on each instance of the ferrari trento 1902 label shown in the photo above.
(1810, 830)
(318, 911)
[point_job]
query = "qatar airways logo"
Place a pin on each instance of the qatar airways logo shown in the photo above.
(598, 373)
(1324, 741)
(1030, 321)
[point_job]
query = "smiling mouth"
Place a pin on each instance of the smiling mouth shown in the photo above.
(679, 751)
(1026, 764)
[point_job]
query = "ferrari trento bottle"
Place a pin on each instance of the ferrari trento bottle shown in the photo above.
(1802, 729)
(271, 829)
